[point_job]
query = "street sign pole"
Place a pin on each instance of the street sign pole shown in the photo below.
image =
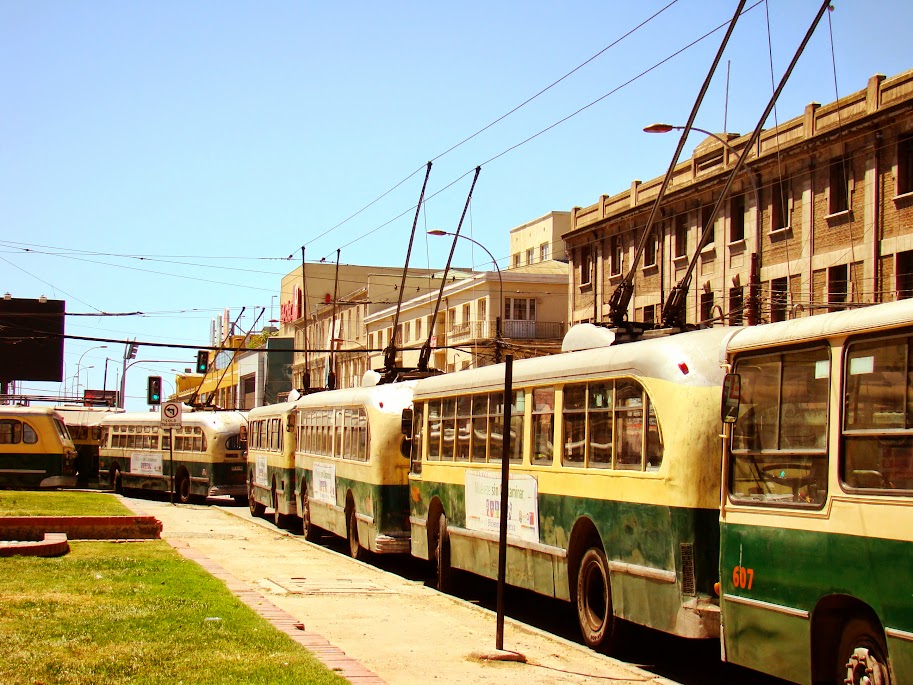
(171, 418)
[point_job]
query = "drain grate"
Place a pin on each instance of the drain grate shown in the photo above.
(328, 586)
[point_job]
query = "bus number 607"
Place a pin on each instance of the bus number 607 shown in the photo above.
(742, 577)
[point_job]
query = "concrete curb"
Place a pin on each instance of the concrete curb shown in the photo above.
(81, 527)
(53, 545)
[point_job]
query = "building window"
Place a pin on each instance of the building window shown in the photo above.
(839, 186)
(586, 264)
(543, 252)
(650, 249)
(466, 313)
(517, 260)
(520, 308)
(905, 164)
(615, 252)
(483, 309)
(736, 305)
(778, 209)
(837, 281)
(707, 308)
(736, 218)
(778, 300)
(418, 329)
(904, 278)
(650, 314)
(407, 332)
(681, 235)
(530, 255)
(706, 211)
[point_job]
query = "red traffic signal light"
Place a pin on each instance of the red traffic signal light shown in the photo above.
(154, 390)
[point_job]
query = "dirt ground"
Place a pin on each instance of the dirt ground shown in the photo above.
(401, 630)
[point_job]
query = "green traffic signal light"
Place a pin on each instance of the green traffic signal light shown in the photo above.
(154, 390)
(202, 361)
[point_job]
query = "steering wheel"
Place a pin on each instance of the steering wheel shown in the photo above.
(777, 473)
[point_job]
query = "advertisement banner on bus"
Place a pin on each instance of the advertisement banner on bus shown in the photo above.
(148, 464)
(483, 504)
(325, 482)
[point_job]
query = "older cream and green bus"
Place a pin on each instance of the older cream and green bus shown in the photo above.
(614, 478)
(205, 459)
(351, 468)
(271, 440)
(816, 558)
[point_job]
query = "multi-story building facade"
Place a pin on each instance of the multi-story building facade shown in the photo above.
(539, 240)
(821, 217)
(481, 317)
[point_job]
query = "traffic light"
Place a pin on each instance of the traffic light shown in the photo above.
(154, 390)
(202, 361)
(131, 350)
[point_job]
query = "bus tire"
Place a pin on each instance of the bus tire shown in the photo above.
(594, 599)
(442, 556)
(308, 529)
(117, 483)
(863, 654)
(256, 508)
(356, 551)
(279, 519)
(182, 488)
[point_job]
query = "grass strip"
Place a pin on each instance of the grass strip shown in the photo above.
(136, 613)
(60, 503)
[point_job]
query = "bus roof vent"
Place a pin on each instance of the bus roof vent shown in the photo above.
(586, 336)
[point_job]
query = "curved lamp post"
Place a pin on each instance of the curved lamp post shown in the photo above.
(666, 128)
(437, 231)
(79, 364)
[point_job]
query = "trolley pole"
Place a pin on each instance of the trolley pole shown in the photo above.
(505, 481)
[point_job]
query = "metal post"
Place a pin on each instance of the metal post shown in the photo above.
(505, 481)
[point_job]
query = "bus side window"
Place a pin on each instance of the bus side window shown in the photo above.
(878, 430)
(10, 432)
(543, 425)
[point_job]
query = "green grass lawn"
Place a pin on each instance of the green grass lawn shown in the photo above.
(136, 613)
(62, 503)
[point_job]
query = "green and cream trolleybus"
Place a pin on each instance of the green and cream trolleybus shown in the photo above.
(614, 478)
(206, 458)
(271, 440)
(35, 449)
(816, 566)
(351, 466)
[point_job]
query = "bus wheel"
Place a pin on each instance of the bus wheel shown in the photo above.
(278, 518)
(863, 655)
(307, 528)
(256, 509)
(117, 482)
(442, 556)
(594, 599)
(356, 551)
(183, 488)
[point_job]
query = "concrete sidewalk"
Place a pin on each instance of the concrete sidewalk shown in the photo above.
(370, 625)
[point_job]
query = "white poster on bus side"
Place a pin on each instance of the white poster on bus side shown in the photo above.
(325, 482)
(260, 471)
(483, 504)
(146, 463)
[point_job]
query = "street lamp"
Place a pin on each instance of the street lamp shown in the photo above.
(86, 368)
(437, 231)
(79, 363)
(666, 128)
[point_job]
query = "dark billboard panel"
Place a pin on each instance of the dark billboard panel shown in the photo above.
(31, 339)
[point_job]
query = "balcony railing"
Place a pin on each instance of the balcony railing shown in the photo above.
(518, 330)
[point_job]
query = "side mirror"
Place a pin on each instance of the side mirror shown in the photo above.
(407, 423)
(732, 394)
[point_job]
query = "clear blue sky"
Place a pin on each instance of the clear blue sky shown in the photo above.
(168, 157)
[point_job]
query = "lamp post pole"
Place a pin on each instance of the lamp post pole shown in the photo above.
(79, 364)
(500, 287)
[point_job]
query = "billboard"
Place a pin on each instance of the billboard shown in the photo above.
(31, 339)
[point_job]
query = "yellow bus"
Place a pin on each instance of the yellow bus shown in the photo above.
(817, 509)
(614, 478)
(271, 440)
(207, 460)
(351, 469)
(35, 449)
